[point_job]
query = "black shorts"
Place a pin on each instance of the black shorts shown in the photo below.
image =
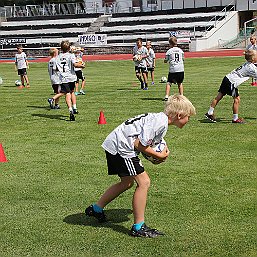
(80, 75)
(67, 87)
(123, 166)
(140, 69)
(226, 88)
(22, 72)
(176, 78)
(56, 88)
(150, 69)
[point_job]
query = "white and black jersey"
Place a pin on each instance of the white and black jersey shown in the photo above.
(65, 64)
(143, 52)
(242, 73)
(175, 57)
(53, 71)
(148, 128)
(21, 61)
(150, 58)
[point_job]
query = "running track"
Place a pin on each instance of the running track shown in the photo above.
(110, 57)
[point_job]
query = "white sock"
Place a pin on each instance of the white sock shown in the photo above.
(211, 111)
(166, 96)
(74, 106)
(235, 116)
(70, 109)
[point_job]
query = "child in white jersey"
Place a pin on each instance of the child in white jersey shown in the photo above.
(175, 57)
(253, 46)
(230, 84)
(66, 62)
(122, 147)
(54, 75)
(150, 60)
(21, 65)
(79, 73)
(140, 53)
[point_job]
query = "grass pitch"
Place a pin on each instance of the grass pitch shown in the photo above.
(203, 197)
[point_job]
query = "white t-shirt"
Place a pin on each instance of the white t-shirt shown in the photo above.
(65, 64)
(140, 51)
(20, 60)
(251, 47)
(54, 73)
(175, 57)
(148, 128)
(150, 58)
(78, 59)
(242, 73)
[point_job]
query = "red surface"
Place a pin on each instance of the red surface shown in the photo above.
(109, 57)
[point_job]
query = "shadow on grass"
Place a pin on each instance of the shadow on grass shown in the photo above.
(204, 120)
(114, 217)
(152, 99)
(126, 88)
(250, 118)
(52, 117)
(39, 107)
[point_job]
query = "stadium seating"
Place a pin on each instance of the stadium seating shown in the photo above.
(121, 29)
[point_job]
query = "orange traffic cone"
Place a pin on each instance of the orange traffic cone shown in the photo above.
(102, 119)
(2, 155)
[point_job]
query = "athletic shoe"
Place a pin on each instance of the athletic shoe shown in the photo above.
(240, 121)
(21, 86)
(57, 107)
(72, 117)
(145, 231)
(51, 102)
(145, 88)
(76, 93)
(210, 117)
(28, 86)
(165, 99)
(254, 83)
(75, 111)
(152, 83)
(98, 215)
(82, 92)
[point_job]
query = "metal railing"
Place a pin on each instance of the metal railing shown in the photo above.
(230, 7)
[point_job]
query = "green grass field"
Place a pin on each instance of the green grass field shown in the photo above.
(203, 197)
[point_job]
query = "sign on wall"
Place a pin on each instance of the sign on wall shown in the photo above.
(12, 41)
(92, 39)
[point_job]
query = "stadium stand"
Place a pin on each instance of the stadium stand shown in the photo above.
(122, 29)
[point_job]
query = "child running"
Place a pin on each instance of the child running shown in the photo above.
(54, 75)
(230, 84)
(140, 54)
(21, 64)
(150, 60)
(122, 147)
(175, 57)
(79, 73)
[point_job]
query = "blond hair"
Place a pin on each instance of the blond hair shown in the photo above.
(52, 51)
(249, 55)
(179, 104)
(173, 41)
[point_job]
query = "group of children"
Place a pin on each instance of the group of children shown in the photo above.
(65, 71)
(124, 144)
(175, 57)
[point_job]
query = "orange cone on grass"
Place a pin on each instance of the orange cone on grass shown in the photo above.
(2, 155)
(102, 119)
